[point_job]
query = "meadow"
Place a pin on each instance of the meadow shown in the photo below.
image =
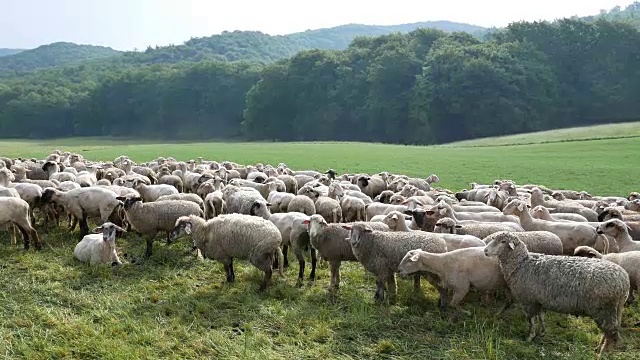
(174, 306)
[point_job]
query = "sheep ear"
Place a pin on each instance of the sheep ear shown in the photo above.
(120, 229)
(97, 230)
(511, 245)
(458, 226)
(521, 207)
(121, 198)
(305, 222)
(346, 227)
(408, 217)
(443, 211)
(430, 212)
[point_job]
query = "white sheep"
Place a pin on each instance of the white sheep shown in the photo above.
(99, 248)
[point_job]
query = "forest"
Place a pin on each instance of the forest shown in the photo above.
(426, 86)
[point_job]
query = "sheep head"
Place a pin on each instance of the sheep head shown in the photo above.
(355, 233)
(613, 227)
(108, 231)
(129, 201)
(502, 243)
(183, 223)
(587, 251)
(410, 263)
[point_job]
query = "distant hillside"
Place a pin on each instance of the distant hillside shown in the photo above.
(52, 55)
(252, 46)
(7, 52)
(629, 14)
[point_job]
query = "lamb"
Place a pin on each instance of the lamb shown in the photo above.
(14, 210)
(395, 220)
(457, 270)
(542, 213)
(152, 192)
(478, 229)
(381, 252)
(99, 249)
(230, 236)
(578, 286)
(630, 262)
(541, 242)
(328, 240)
(617, 229)
(150, 218)
(571, 234)
(83, 203)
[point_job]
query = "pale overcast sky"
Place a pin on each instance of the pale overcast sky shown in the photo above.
(128, 24)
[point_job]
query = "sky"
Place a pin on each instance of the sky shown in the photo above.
(130, 24)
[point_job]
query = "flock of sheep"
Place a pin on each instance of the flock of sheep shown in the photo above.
(565, 251)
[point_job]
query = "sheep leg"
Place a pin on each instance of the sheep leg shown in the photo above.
(285, 252)
(297, 251)
(459, 293)
(541, 328)
(532, 311)
(314, 262)
(84, 228)
(334, 283)
(228, 268)
(149, 249)
(25, 237)
(392, 288)
(379, 295)
(416, 283)
(267, 276)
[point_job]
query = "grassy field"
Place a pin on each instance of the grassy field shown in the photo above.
(174, 306)
(597, 132)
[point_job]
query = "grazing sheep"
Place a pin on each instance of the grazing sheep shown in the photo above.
(372, 186)
(303, 204)
(230, 236)
(246, 201)
(457, 270)
(381, 252)
(329, 240)
(99, 249)
(630, 262)
(572, 285)
(14, 210)
(395, 220)
(293, 233)
(151, 218)
(571, 234)
(542, 213)
(541, 242)
(478, 229)
(182, 196)
(152, 192)
(85, 202)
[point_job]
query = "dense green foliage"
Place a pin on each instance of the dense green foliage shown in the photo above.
(422, 87)
(52, 55)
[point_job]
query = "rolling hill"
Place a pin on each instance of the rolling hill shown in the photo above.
(7, 52)
(228, 46)
(52, 55)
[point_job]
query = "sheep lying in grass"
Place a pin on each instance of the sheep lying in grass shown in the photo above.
(230, 236)
(457, 270)
(572, 285)
(630, 262)
(99, 248)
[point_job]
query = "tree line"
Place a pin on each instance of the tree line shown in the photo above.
(423, 87)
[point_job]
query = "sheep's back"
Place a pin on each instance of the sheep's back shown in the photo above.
(578, 286)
